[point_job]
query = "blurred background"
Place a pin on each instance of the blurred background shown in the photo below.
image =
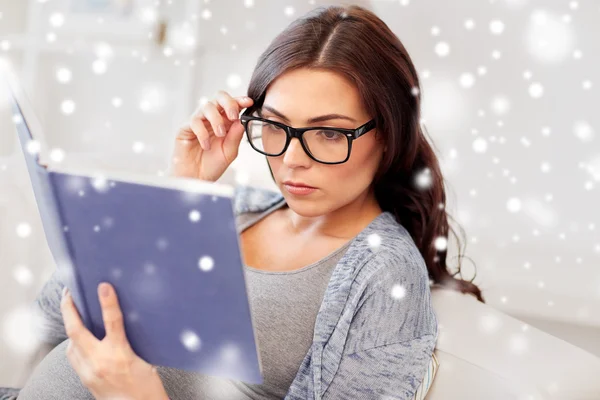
(511, 91)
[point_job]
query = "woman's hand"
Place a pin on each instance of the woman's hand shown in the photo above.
(108, 368)
(209, 142)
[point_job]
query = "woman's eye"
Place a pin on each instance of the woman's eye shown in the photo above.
(274, 128)
(331, 135)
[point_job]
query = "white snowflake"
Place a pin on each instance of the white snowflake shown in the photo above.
(57, 19)
(67, 107)
(398, 292)
(480, 145)
(497, 27)
(440, 243)
(162, 244)
(584, 131)
(233, 81)
(116, 273)
(548, 39)
(230, 353)
(442, 49)
(513, 205)
(138, 147)
(23, 230)
(536, 90)
(206, 263)
(23, 275)
(467, 80)
(545, 167)
(289, 11)
(104, 50)
(19, 329)
(100, 183)
(190, 340)
(587, 84)
(194, 215)
(148, 15)
(33, 146)
(206, 14)
(99, 67)
(64, 75)
(374, 241)
(500, 105)
(423, 179)
(57, 155)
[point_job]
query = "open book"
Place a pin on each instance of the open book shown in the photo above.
(168, 245)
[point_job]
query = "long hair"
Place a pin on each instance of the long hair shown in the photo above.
(354, 42)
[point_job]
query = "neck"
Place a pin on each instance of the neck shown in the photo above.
(344, 223)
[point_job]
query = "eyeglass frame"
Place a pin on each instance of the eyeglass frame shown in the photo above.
(291, 132)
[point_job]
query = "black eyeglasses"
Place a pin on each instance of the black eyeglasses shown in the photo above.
(323, 144)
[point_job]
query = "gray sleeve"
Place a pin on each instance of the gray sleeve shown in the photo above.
(49, 323)
(392, 371)
(392, 334)
(9, 393)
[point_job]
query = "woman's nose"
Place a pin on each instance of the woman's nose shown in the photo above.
(295, 154)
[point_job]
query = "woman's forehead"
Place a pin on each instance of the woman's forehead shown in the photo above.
(305, 94)
(313, 84)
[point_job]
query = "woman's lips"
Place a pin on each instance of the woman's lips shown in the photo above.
(299, 190)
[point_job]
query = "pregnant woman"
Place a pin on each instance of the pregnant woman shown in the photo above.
(338, 264)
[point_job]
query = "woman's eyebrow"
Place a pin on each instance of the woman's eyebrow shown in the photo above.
(311, 120)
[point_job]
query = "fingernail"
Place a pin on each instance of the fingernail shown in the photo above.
(247, 99)
(104, 290)
(232, 115)
(206, 144)
(64, 291)
(221, 131)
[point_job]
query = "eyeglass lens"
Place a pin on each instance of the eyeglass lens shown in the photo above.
(324, 145)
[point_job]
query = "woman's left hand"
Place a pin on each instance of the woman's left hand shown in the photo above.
(109, 368)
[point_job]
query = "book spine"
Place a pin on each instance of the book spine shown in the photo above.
(65, 256)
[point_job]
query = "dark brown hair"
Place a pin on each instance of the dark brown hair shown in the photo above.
(354, 42)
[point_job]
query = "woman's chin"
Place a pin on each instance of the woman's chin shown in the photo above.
(305, 207)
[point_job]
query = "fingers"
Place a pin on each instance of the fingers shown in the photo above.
(216, 116)
(77, 361)
(198, 129)
(229, 105)
(112, 314)
(74, 327)
(231, 144)
(243, 102)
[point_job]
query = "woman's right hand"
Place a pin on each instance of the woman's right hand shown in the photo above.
(209, 142)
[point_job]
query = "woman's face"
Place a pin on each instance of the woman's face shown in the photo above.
(298, 96)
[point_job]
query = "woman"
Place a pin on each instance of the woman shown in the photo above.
(339, 264)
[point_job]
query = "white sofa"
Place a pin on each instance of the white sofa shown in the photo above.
(485, 354)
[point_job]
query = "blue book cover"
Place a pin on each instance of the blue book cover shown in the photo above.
(168, 245)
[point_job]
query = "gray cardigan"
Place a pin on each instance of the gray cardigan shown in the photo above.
(376, 328)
